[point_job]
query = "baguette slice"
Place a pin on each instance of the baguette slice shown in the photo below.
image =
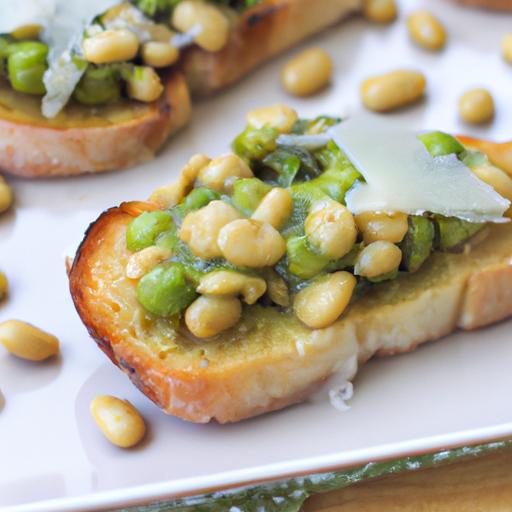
(260, 33)
(270, 359)
(87, 139)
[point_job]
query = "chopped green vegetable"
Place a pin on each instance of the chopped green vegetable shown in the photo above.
(26, 65)
(198, 198)
(314, 126)
(248, 193)
(144, 229)
(253, 144)
(303, 261)
(418, 243)
(165, 290)
(440, 143)
(99, 85)
(452, 232)
(292, 162)
(474, 158)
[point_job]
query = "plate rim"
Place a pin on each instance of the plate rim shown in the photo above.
(230, 481)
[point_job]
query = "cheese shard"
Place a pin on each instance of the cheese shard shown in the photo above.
(63, 35)
(14, 15)
(401, 175)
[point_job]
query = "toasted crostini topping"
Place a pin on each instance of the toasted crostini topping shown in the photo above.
(214, 26)
(143, 261)
(272, 225)
(307, 73)
(280, 117)
(330, 227)
(208, 316)
(374, 226)
(378, 259)
(110, 46)
(201, 229)
(158, 54)
(275, 208)
(27, 342)
(118, 420)
(321, 303)
(221, 173)
(250, 243)
(230, 283)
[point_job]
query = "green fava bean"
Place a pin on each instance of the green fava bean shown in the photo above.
(26, 65)
(439, 143)
(144, 229)
(98, 86)
(248, 194)
(255, 144)
(303, 262)
(165, 291)
(198, 198)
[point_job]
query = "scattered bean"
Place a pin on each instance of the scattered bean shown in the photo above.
(382, 226)
(225, 282)
(27, 342)
(307, 73)
(506, 47)
(221, 173)
(110, 46)
(277, 116)
(476, 106)
(380, 11)
(275, 208)
(118, 420)
(392, 90)
(426, 30)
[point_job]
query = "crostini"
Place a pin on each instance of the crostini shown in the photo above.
(240, 288)
(91, 86)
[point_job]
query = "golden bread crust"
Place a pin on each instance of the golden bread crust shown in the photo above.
(31, 148)
(270, 360)
(260, 33)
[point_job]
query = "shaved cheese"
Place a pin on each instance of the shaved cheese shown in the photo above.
(64, 34)
(304, 141)
(14, 15)
(402, 176)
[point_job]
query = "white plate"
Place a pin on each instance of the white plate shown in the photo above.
(453, 392)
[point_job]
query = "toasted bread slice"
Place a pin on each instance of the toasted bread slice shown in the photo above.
(260, 33)
(270, 359)
(87, 139)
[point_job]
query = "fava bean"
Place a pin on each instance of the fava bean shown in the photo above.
(6, 196)
(380, 11)
(27, 342)
(209, 316)
(159, 54)
(426, 30)
(143, 230)
(439, 143)
(377, 259)
(165, 290)
(26, 66)
(110, 46)
(98, 86)
(118, 420)
(275, 208)
(392, 90)
(506, 47)
(307, 73)
(476, 106)
(321, 303)
(249, 243)
(214, 25)
(200, 230)
(277, 116)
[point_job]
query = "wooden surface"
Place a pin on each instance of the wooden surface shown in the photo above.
(481, 484)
